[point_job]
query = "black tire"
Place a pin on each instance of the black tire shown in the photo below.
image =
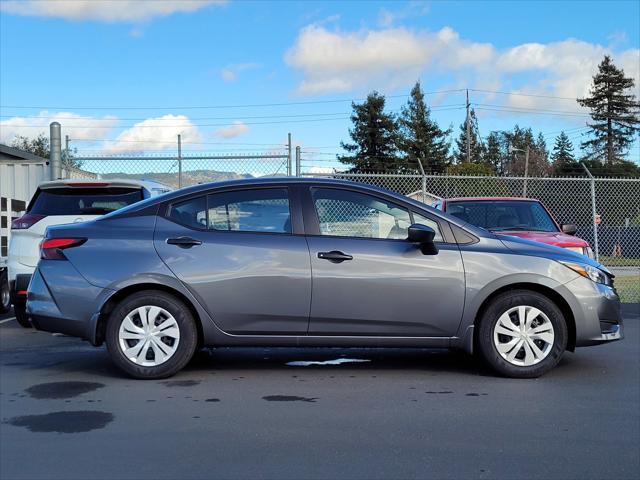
(486, 346)
(20, 312)
(187, 342)
(5, 297)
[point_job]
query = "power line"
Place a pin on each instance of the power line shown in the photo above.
(193, 107)
(528, 109)
(94, 119)
(186, 125)
(237, 117)
(522, 94)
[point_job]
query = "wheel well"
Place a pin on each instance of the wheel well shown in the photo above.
(551, 294)
(108, 307)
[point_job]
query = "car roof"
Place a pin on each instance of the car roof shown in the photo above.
(259, 181)
(488, 199)
(107, 182)
(265, 181)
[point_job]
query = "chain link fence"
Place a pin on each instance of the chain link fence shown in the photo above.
(606, 211)
(181, 171)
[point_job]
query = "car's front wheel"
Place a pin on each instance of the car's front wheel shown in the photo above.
(151, 334)
(522, 334)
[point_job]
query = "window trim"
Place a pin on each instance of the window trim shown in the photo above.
(294, 208)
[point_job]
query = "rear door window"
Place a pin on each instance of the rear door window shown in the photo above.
(83, 201)
(262, 210)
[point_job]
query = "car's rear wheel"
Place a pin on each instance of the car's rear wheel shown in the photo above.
(5, 297)
(151, 334)
(522, 334)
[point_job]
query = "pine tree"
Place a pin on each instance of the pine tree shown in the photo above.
(564, 162)
(476, 148)
(421, 138)
(518, 140)
(493, 155)
(614, 111)
(539, 158)
(374, 135)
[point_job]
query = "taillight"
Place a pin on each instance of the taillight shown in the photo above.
(26, 221)
(51, 248)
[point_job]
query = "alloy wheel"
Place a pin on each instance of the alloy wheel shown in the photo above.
(523, 335)
(149, 336)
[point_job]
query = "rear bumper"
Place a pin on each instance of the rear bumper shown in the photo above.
(60, 300)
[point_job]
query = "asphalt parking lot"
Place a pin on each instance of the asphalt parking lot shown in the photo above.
(251, 413)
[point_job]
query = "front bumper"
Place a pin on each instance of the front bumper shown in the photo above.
(60, 300)
(597, 313)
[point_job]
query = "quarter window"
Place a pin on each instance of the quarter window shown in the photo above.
(190, 213)
(344, 213)
(262, 210)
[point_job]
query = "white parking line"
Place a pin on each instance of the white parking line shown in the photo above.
(7, 320)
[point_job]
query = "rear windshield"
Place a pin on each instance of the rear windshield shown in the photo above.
(83, 201)
(496, 215)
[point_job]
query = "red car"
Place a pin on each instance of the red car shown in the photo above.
(519, 217)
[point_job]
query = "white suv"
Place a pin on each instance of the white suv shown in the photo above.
(56, 203)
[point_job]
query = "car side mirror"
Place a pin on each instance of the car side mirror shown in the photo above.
(423, 236)
(569, 229)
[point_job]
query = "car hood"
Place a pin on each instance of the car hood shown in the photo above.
(558, 239)
(523, 246)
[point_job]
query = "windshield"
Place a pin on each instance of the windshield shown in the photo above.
(499, 215)
(83, 201)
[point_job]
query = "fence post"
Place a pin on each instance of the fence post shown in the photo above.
(424, 182)
(526, 172)
(593, 212)
(290, 159)
(55, 154)
(298, 161)
(179, 161)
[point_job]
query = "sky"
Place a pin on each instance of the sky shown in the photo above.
(126, 77)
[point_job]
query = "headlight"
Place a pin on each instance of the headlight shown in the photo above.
(587, 271)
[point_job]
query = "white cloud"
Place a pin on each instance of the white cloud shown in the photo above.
(338, 61)
(104, 10)
(386, 18)
(236, 129)
(78, 127)
(230, 72)
(154, 134)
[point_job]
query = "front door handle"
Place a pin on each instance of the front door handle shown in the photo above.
(334, 256)
(184, 242)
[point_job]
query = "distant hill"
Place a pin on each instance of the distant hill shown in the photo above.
(190, 177)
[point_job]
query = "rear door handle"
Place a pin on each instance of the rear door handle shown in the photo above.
(184, 242)
(334, 256)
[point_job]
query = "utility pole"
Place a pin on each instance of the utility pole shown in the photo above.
(468, 127)
(179, 161)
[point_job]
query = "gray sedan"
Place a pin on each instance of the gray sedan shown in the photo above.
(305, 262)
